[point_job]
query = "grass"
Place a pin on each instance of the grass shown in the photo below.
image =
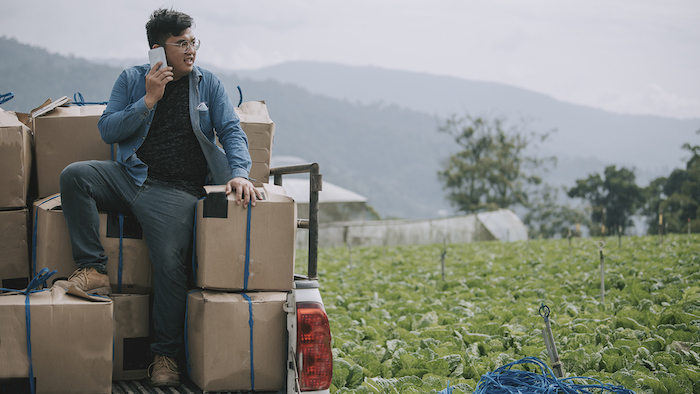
(399, 327)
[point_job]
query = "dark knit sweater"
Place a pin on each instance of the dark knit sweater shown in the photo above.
(171, 149)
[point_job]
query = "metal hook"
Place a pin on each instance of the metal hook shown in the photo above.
(600, 244)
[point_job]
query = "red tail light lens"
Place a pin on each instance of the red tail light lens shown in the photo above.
(314, 355)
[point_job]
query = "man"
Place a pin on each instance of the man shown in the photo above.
(163, 120)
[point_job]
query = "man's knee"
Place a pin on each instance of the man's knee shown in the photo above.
(72, 174)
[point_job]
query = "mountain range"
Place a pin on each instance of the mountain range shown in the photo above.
(375, 131)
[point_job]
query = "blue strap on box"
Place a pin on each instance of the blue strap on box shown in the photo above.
(250, 323)
(40, 278)
(247, 249)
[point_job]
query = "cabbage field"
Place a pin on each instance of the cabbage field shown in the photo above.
(398, 327)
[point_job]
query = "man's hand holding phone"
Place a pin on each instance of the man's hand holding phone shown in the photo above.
(158, 77)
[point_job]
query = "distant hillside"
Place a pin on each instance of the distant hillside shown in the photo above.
(34, 75)
(387, 154)
(374, 131)
(652, 144)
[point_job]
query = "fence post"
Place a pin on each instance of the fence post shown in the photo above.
(442, 259)
(601, 245)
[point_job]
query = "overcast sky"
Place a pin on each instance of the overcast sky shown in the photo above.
(630, 56)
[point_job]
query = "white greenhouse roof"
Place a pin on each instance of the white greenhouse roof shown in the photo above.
(504, 224)
(298, 189)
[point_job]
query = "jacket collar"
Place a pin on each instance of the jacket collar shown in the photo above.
(197, 73)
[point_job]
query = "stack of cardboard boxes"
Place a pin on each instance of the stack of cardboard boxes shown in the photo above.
(243, 269)
(236, 322)
(16, 152)
(63, 342)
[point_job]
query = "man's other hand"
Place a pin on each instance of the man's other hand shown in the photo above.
(245, 191)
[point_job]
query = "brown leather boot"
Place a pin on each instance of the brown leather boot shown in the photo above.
(87, 280)
(163, 372)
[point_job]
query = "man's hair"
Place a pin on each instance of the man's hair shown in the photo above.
(165, 23)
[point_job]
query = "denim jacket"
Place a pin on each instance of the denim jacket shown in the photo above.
(126, 122)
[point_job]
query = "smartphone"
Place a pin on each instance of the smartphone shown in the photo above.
(156, 55)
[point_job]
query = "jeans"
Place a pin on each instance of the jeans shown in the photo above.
(166, 216)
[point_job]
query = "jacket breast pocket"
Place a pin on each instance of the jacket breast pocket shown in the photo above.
(204, 118)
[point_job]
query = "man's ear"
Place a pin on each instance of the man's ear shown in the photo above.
(155, 46)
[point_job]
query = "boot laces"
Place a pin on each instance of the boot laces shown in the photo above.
(162, 362)
(80, 275)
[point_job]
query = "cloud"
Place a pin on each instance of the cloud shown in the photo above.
(654, 99)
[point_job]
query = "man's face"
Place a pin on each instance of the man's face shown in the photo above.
(181, 62)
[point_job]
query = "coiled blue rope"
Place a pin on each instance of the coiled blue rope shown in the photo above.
(505, 380)
(6, 97)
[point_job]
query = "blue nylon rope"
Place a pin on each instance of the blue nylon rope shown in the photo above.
(250, 323)
(247, 250)
(121, 252)
(448, 390)
(40, 278)
(505, 380)
(79, 101)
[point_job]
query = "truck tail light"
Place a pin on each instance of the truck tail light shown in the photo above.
(314, 356)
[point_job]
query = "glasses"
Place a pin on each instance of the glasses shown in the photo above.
(185, 45)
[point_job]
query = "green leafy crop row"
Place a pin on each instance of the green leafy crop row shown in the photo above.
(398, 327)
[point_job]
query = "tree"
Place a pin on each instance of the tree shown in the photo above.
(614, 198)
(546, 218)
(489, 172)
(677, 197)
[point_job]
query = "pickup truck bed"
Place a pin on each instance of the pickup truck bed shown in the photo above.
(142, 387)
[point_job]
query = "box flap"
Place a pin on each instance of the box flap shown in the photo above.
(49, 106)
(81, 294)
(253, 112)
(49, 203)
(10, 119)
(75, 110)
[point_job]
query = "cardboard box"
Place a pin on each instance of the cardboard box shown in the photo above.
(65, 135)
(256, 122)
(219, 344)
(71, 342)
(52, 248)
(15, 161)
(14, 259)
(132, 345)
(221, 232)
